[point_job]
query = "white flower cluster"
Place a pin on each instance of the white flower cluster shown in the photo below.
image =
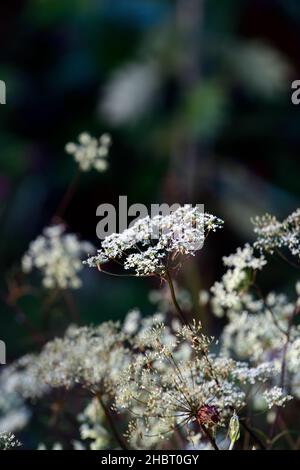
(19, 382)
(14, 413)
(8, 441)
(93, 427)
(22, 379)
(261, 328)
(90, 152)
(228, 294)
(157, 379)
(273, 235)
(257, 331)
(151, 245)
(166, 381)
(135, 324)
(173, 381)
(58, 256)
(90, 356)
(276, 397)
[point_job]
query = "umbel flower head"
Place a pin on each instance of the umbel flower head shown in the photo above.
(152, 245)
(174, 381)
(229, 293)
(275, 236)
(159, 380)
(89, 356)
(58, 256)
(276, 397)
(90, 152)
(92, 356)
(154, 379)
(18, 382)
(262, 327)
(8, 441)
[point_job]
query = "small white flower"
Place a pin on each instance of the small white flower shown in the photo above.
(276, 397)
(203, 297)
(131, 322)
(90, 152)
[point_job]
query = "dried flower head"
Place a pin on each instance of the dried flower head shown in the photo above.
(208, 416)
(174, 381)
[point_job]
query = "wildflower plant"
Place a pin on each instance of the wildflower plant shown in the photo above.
(157, 246)
(161, 381)
(263, 326)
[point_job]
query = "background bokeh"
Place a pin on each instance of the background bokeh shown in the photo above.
(197, 97)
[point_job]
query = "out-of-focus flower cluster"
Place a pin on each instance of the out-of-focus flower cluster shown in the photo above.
(227, 294)
(93, 427)
(275, 236)
(90, 356)
(262, 327)
(276, 397)
(162, 299)
(154, 378)
(8, 441)
(90, 152)
(175, 382)
(57, 255)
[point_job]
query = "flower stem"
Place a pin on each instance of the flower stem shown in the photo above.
(253, 435)
(283, 365)
(207, 433)
(173, 295)
(67, 198)
(111, 423)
